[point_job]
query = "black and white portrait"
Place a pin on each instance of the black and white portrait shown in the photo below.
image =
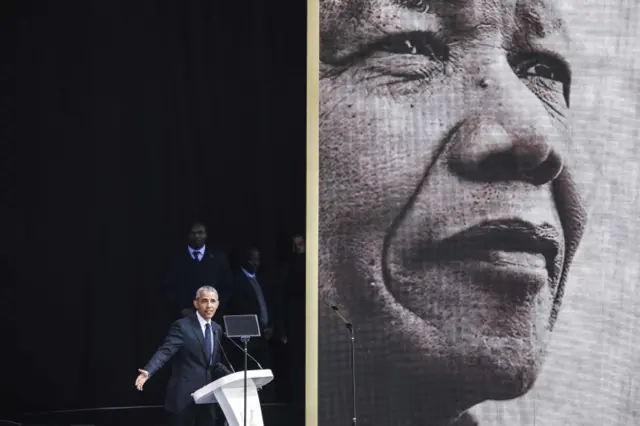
(478, 212)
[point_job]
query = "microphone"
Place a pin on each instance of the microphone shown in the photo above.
(224, 352)
(335, 309)
(242, 349)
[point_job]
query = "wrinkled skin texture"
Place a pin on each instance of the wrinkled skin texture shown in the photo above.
(434, 120)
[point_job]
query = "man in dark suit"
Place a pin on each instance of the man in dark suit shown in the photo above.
(193, 345)
(196, 266)
(290, 325)
(248, 295)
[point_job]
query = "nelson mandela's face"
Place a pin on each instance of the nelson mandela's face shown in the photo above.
(448, 212)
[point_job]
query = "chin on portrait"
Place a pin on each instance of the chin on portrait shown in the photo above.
(461, 309)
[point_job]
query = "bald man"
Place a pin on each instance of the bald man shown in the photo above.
(448, 212)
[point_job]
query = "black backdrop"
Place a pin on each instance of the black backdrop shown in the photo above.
(121, 120)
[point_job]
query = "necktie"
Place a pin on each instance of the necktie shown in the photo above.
(208, 341)
(196, 255)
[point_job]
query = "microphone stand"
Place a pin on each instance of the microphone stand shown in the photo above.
(349, 327)
(248, 354)
(245, 341)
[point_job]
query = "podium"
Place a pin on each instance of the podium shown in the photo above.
(228, 391)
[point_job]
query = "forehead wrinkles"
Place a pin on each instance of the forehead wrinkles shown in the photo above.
(346, 25)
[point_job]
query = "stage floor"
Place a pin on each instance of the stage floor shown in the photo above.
(274, 414)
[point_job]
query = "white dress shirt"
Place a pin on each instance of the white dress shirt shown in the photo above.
(200, 250)
(203, 324)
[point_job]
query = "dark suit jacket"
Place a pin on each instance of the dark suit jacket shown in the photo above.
(242, 299)
(184, 346)
(185, 276)
(290, 289)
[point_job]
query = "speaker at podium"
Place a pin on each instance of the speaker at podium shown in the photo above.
(237, 393)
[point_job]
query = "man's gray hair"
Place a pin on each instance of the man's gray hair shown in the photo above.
(207, 289)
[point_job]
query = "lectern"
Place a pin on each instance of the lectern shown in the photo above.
(228, 391)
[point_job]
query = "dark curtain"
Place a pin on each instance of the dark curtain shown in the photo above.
(122, 121)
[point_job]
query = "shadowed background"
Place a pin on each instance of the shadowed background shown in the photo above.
(121, 122)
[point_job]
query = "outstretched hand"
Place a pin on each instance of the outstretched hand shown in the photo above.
(142, 378)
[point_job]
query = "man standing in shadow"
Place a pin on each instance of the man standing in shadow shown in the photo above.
(290, 325)
(250, 296)
(197, 265)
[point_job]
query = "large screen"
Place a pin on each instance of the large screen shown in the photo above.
(478, 212)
